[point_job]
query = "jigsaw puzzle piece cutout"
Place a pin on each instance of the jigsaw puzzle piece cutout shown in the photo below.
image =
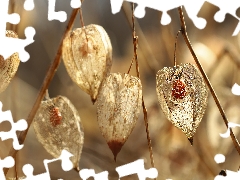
(229, 7)
(52, 15)
(7, 162)
(75, 3)
(87, 173)
(231, 175)
(8, 45)
(28, 171)
(156, 5)
(137, 167)
(192, 8)
(20, 125)
(5, 17)
(29, 5)
(65, 159)
(66, 166)
(116, 5)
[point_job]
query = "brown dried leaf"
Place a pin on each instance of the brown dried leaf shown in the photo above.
(59, 129)
(118, 106)
(182, 95)
(88, 61)
(8, 67)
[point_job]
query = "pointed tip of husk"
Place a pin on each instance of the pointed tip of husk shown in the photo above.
(115, 147)
(93, 100)
(191, 140)
(77, 169)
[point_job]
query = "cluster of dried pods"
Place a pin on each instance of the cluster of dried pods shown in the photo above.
(87, 56)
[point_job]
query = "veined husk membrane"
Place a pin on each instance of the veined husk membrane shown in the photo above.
(8, 67)
(118, 106)
(87, 56)
(57, 125)
(182, 95)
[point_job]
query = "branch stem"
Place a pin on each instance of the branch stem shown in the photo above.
(187, 41)
(48, 78)
(135, 46)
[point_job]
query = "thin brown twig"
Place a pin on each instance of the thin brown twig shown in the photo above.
(175, 48)
(144, 46)
(135, 46)
(187, 41)
(82, 22)
(48, 78)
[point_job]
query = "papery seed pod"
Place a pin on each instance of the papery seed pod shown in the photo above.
(182, 95)
(8, 67)
(58, 126)
(18, 178)
(88, 60)
(118, 106)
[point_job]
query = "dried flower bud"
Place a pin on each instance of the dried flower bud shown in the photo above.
(58, 126)
(182, 95)
(88, 60)
(8, 67)
(118, 106)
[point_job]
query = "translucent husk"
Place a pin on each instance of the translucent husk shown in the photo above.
(88, 60)
(8, 67)
(67, 135)
(118, 106)
(186, 112)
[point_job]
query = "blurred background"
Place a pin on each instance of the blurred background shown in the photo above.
(174, 157)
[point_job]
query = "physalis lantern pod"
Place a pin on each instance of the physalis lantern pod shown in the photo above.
(87, 55)
(182, 95)
(58, 126)
(8, 67)
(118, 106)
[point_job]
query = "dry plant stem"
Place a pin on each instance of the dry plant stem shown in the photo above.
(147, 52)
(82, 22)
(185, 36)
(175, 50)
(48, 78)
(135, 46)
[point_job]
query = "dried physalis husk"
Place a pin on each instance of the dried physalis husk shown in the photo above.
(118, 106)
(8, 67)
(18, 178)
(182, 95)
(58, 126)
(87, 55)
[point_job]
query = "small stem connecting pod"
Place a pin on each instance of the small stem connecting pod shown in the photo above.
(87, 56)
(58, 126)
(182, 95)
(8, 67)
(118, 107)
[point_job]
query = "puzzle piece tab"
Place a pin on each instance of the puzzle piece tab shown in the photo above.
(66, 166)
(7, 162)
(8, 45)
(192, 9)
(20, 125)
(52, 15)
(137, 167)
(87, 173)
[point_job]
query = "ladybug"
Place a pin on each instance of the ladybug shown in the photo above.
(178, 89)
(55, 116)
